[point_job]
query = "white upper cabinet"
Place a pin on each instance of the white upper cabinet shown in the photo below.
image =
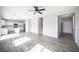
(2, 22)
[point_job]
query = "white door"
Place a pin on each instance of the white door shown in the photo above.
(67, 27)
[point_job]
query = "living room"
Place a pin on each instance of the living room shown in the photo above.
(18, 21)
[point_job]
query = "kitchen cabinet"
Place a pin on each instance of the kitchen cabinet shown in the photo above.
(2, 22)
(4, 31)
(17, 30)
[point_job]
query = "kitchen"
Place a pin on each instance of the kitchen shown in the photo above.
(11, 26)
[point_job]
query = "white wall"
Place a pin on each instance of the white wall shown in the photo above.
(34, 25)
(28, 25)
(50, 26)
(77, 26)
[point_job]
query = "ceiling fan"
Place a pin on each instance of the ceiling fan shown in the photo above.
(37, 10)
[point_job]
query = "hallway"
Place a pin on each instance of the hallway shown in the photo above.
(25, 42)
(68, 36)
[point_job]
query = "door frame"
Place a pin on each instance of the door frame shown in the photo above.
(72, 25)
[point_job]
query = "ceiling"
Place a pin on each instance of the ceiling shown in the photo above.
(21, 12)
(53, 9)
(70, 15)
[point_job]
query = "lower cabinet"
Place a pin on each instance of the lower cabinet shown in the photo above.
(17, 30)
(4, 31)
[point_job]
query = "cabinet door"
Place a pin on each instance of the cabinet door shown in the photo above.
(4, 31)
(2, 22)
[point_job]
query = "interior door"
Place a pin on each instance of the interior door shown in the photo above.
(67, 27)
(40, 25)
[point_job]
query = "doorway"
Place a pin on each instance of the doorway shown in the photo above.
(40, 25)
(24, 27)
(66, 26)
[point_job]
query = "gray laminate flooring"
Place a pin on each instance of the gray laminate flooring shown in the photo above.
(63, 44)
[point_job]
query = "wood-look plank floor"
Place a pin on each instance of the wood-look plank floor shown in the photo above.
(63, 44)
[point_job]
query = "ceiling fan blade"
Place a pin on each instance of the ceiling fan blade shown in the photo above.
(31, 10)
(41, 9)
(35, 6)
(40, 12)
